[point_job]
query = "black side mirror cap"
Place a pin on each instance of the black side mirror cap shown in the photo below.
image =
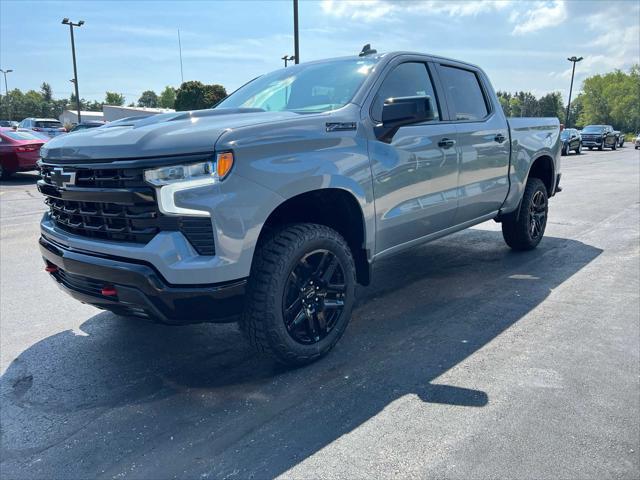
(400, 111)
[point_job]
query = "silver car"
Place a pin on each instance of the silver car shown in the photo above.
(49, 126)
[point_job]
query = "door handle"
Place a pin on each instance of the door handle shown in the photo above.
(499, 138)
(446, 143)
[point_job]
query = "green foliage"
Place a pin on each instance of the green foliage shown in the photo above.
(612, 99)
(167, 98)
(113, 98)
(550, 105)
(148, 99)
(194, 95)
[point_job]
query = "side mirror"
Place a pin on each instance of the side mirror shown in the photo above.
(400, 111)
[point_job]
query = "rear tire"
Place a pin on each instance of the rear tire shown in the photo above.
(300, 293)
(579, 149)
(525, 232)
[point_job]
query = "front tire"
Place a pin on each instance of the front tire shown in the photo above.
(300, 293)
(615, 145)
(525, 232)
(4, 173)
(601, 146)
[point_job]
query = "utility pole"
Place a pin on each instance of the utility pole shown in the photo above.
(180, 48)
(65, 21)
(6, 91)
(573, 60)
(296, 42)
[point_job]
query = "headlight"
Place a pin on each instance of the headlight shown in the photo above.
(179, 173)
(175, 178)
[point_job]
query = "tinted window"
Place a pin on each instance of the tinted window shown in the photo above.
(20, 135)
(406, 80)
(464, 93)
(315, 87)
(47, 124)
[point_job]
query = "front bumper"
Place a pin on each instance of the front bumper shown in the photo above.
(592, 143)
(137, 289)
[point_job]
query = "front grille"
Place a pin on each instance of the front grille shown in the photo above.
(115, 204)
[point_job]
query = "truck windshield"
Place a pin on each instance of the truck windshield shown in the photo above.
(310, 88)
(593, 129)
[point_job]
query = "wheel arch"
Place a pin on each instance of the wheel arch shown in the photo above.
(334, 207)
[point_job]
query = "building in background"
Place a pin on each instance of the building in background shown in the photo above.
(109, 114)
(70, 117)
(114, 112)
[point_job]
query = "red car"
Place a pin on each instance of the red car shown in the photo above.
(19, 151)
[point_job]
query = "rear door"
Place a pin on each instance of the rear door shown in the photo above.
(483, 141)
(415, 173)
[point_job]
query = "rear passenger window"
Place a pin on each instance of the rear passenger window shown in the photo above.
(464, 93)
(409, 79)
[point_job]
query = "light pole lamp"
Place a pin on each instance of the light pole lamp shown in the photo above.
(573, 60)
(6, 90)
(66, 21)
(288, 59)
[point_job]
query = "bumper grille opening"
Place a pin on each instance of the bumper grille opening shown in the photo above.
(116, 204)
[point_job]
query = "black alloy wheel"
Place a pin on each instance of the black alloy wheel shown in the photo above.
(314, 297)
(538, 209)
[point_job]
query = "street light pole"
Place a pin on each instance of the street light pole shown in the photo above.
(296, 42)
(66, 21)
(6, 90)
(573, 60)
(287, 59)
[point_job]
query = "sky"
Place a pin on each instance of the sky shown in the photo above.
(129, 47)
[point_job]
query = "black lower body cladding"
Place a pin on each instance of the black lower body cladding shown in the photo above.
(137, 289)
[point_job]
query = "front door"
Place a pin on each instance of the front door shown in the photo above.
(415, 174)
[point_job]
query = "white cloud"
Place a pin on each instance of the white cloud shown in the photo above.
(386, 10)
(541, 15)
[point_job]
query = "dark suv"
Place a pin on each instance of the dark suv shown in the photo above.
(599, 136)
(571, 140)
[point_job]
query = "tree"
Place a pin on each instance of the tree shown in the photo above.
(46, 92)
(612, 99)
(167, 98)
(194, 95)
(113, 98)
(148, 99)
(550, 105)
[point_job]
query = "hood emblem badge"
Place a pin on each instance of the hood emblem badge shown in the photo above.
(63, 179)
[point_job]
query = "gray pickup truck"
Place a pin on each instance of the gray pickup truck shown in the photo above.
(269, 208)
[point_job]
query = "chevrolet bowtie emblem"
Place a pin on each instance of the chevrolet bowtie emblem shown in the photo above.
(63, 179)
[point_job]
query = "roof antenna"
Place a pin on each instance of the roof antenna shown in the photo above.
(367, 50)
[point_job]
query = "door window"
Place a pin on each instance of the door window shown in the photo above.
(464, 93)
(409, 79)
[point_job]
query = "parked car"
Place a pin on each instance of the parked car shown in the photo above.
(571, 141)
(599, 136)
(85, 125)
(8, 124)
(19, 151)
(49, 126)
(636, 142)
(269, 208)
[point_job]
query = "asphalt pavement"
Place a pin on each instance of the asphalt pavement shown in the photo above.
(463, 360)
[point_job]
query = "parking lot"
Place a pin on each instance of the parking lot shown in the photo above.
(463, 360)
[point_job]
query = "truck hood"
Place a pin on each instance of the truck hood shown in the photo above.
(163, 135)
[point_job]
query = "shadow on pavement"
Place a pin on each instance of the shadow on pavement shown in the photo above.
(190, 401)
(20, 178)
